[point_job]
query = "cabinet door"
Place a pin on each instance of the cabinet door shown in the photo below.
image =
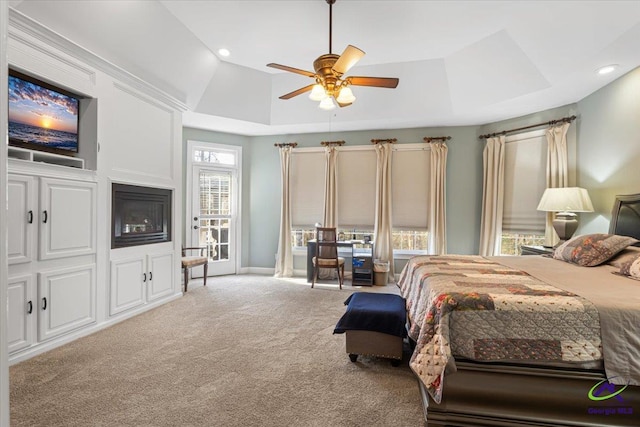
(20, 219)
(21, 313)
(67, 218)
(161, 271)
(127, 284)
(66, 300)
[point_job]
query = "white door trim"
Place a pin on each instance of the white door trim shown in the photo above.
(191, 146)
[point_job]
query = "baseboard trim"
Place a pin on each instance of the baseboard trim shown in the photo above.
(261, 270)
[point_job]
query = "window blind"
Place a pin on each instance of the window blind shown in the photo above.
(524, 183)
(356, 188)
(410, 188)
(307, 188)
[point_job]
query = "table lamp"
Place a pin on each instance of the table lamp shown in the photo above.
(565, 202)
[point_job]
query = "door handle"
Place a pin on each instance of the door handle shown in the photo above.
(30, 307)
(195, 227)
(30, 217)
(44, 303)
(45, 217)
(144, 280)
(150, 276)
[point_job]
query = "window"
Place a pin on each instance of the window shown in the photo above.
(356, 179)
(410, 191)
(524, 183)
(356, 189)
(221, 157)
(307, 194)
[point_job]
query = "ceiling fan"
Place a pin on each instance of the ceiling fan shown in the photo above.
(330, 82)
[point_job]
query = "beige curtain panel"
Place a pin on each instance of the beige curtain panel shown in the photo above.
(284, 257)
(557, 171)
(437, 200)
(383, 245)
(329, 219)
(330, 215)
(492, 196)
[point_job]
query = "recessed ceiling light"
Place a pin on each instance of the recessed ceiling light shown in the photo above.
(607, 69)
(224, 52)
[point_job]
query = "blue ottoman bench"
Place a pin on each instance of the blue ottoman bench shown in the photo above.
(374, 325)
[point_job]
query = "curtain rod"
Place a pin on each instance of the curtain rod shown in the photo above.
(378, 141)
(328, 143)
(549, 123)
(286, 144)
(436, 138)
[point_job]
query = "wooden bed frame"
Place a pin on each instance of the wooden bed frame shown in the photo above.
(510, 395)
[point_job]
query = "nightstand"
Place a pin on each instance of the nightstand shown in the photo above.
(536, 250)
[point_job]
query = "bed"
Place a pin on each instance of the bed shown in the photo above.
(531, 340)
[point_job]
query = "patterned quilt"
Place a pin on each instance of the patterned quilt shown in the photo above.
(472, 307)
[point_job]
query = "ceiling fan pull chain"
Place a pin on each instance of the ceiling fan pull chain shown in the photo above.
(331, 2)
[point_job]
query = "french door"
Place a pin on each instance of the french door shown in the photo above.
(213, 217)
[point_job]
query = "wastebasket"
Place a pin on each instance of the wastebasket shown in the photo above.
(380, 272)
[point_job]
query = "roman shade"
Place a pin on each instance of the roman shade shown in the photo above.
(307, 187)
(524, 183)
(356, 188)
(410, 172)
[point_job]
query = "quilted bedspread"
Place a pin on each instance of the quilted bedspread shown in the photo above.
(475, 308)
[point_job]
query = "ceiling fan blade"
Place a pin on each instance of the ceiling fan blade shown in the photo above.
(348, 59)
(291, 69)
(345, 104)
(389, 82)
(297, 92)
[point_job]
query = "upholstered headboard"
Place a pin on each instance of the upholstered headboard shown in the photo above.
(625, 216)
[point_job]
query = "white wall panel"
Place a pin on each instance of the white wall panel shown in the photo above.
(139, 133)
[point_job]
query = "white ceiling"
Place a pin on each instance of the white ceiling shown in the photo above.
(459, 62)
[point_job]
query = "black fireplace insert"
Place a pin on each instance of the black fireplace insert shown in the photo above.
(139, 215)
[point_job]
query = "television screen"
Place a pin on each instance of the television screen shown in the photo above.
(42, 117)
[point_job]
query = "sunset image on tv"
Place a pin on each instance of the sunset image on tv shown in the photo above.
(42, 116)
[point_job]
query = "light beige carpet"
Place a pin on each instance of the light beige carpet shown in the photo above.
(242, 351)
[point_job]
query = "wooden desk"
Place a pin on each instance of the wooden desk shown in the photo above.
(311, 252)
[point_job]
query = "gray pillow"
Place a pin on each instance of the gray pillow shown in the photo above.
(590, 250)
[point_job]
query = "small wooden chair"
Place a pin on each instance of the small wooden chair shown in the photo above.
(194, 261)
(327, 254)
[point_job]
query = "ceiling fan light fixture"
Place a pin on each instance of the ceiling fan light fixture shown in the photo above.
(327, 104)
(317, 93)
(346, 96)
(330, 83)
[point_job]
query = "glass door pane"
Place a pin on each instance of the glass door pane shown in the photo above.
(214, 221)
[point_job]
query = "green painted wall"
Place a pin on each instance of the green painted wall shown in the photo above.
(261, 183)
(464, 184)
(609, 147)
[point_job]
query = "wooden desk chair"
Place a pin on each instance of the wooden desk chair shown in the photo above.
(327, 254)
(194, 261)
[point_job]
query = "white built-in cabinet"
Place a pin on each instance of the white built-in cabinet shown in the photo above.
(140, 279)
(52, 266)
(21, 315)
(64, 281)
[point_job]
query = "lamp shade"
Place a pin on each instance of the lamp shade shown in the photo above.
(346, 96)
(327, 104)
(567, 199)
(317, 93)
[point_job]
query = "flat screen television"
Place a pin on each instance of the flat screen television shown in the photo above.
(42, 116)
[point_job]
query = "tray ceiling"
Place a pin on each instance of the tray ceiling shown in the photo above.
(459, 62)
